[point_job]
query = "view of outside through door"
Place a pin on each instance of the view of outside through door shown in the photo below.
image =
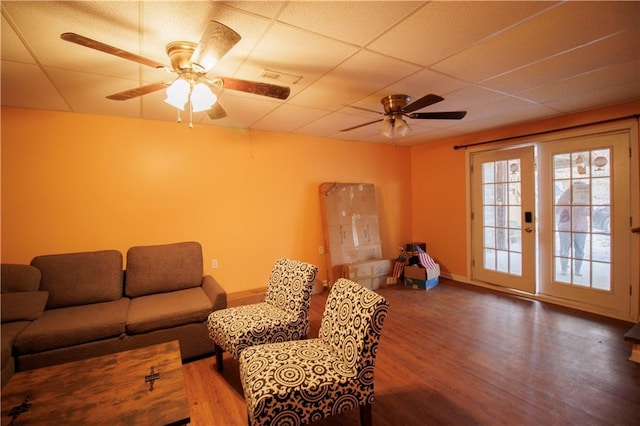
(553, 219)
(582, 206)
(502, 213)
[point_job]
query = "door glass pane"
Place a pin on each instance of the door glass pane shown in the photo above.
(489, 237)
(489, 259)
(582, 239)
(502, 220)
(487, 172)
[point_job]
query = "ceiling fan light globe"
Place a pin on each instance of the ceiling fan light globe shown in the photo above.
(202, 98)
(177, 103)
(401, 128)
(178, 93)
(386, 128)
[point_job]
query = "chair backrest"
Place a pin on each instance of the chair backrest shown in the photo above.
(352, 322)
(290, 286)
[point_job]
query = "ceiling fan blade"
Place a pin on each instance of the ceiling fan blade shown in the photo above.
(362, 125)
(364, 109)
(257, 88)
(216, 41)
(97, 45)
(448, 115)
(216, 111)
(138, 91)
(423, 102)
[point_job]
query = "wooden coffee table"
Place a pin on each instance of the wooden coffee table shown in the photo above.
(138, 387)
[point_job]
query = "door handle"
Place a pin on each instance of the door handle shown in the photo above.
(528, 229)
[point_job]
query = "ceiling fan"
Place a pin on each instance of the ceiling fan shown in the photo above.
(397, 106)
(190, 62)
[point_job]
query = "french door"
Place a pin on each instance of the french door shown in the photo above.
(503, 218)
(553, 219)
(585, 242)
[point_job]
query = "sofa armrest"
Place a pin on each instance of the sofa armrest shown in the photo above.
(23, 305)
(215, 292)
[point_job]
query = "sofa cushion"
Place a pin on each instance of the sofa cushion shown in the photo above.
(62, 327)
(23, 305)
(80, 278)
(19, 278)
(165, 310)
(163, 268)
(8, 335)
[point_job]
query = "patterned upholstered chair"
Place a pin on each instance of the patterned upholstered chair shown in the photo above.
(283, 316)
(303, 381)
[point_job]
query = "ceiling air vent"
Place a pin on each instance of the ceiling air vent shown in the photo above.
(280, 76)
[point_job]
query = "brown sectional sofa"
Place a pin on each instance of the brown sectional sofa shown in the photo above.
(21, 304)
(94, 307)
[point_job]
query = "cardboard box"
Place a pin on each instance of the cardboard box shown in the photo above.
(370, 274)
(421, 278)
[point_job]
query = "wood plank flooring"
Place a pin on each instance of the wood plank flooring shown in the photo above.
(461, 355)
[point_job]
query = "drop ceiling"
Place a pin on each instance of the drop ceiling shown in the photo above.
(502, 62)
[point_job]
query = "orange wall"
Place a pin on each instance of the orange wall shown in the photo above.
(438, 175)
(75, 182)
(438, 204)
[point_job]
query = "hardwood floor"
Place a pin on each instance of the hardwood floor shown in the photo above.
(460, 355)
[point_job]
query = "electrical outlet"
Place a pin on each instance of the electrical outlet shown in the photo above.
(321, 249)
(214, 264)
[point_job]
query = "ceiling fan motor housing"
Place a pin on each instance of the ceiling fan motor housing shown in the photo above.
(394, 103)
(180, 55)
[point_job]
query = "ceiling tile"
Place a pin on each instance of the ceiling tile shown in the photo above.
(559, 29)
(360, 134)
(330, 124)
(86, 93)
(353, 80)
(469, 97)
(624, 74)
(26, 86)
(41, 23)
(267, 9)
(442, 28)
(344, 20)
(12, 48)
(600, 96)
(621, 47)
(286, 49)
(289, 117)
(505, 110)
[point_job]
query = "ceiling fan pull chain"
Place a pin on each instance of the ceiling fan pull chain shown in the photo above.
(190, 116)
(179, 117)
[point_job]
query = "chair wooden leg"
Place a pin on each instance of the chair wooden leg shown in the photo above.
(218, 351)
(366, 415)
